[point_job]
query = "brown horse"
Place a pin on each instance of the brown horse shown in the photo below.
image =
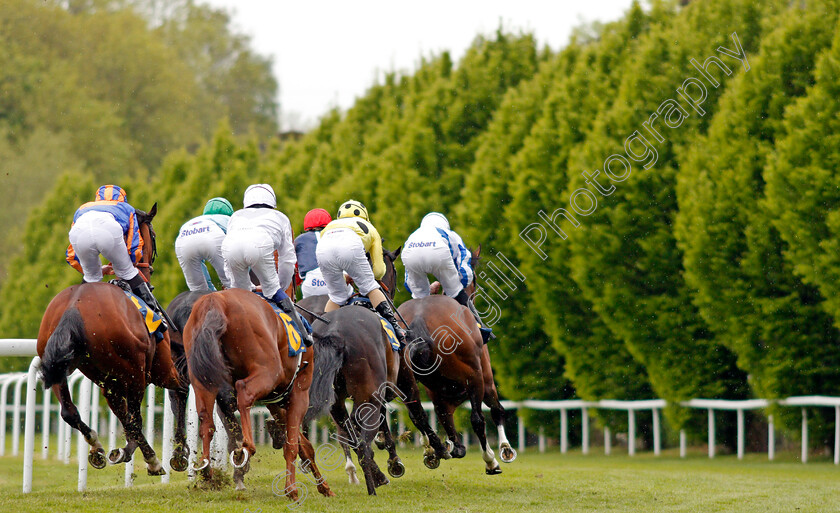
(237, 353)
(355, 359)
(453, 363)
(95, 327)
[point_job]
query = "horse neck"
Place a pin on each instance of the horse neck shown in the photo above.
(144, 266)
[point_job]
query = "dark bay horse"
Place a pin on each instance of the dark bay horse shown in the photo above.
(95, 327)
(450, 359)
(355, 359)
(237, 353)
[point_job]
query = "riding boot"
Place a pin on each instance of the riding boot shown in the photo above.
(141, 289)
(285, 303)
(486, 333)
(384, 309)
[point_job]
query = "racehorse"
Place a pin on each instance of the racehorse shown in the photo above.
(96, 328)
(237, 352)
(355, 359)
(452, 362)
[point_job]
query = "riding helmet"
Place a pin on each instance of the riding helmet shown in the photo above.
(436, 220)
(260, 194)
(352, 208)
(111, 193)
(219, 206)
(316, 218)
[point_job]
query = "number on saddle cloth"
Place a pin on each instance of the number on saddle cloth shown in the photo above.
(153, 321)
(295, 339)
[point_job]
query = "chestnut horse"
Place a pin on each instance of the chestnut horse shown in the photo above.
(95, 327)
(449, 357)
(237, 353)
(355, 359)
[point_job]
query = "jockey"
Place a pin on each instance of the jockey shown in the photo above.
(253, 236)
(311, 280)
(199, 240)
(108, 226)
(346, 245)
(435, 249)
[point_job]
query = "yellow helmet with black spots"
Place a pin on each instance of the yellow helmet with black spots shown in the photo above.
(352, 208)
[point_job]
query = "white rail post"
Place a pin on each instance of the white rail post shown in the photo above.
(657, 438)
(564, 431)
(520, 427)
(837, 435)
(804, 435)
(81, 443)
(683, 444)
(607, 441)
(711, 433)
(112, 432)
(29, 427)
(433, 421)
(4, 390)
(168, 436)
(150, 415)
(16, 416)
(400, 431)
(129, 473)
(771, 439)
(465, 439)
(542, 439)
(94, 408)
(313, 431)
(218, 444)
(45, 425)
(631, 432)
(192, 433)
(584, 428)
(740, 413)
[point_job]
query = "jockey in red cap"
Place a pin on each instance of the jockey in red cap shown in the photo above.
(311, 280)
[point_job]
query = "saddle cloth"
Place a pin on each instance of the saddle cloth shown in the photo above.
(153, 321)
(386, 326)
(296, 345)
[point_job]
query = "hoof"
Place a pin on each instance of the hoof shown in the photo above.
(458, 452)
(493, 471)
(241, 486)
(179, 463)
(116, 456)
(396, 468)
(239, 454)
(380, 441)
(97, 459)
(507, 453)
(158, 472)
(204, 464)
(431, 461)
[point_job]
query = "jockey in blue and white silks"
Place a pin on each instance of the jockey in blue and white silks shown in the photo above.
(199, 240)
(437, 250)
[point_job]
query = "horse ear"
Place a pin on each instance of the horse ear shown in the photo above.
(397, 252)
(153, 212)
(477, 251)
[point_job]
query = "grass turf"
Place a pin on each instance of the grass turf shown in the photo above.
(547, 482)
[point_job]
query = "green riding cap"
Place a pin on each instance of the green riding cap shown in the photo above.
(218, 206)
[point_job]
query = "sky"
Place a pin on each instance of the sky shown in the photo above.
(328, 53)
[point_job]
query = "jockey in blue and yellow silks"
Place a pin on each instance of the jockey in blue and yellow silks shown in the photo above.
(108, 226)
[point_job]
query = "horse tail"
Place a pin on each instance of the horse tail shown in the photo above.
(64, 346)
(206, 360)
(329, 359)
(421, 352)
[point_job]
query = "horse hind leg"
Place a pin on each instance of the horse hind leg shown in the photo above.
(479, 426)
(373, 475)
(118, 404)
(344, 430)
(445, 412)
(506, 452)
(227, 405)
(153, 464)
(396, 468)
(71, 416)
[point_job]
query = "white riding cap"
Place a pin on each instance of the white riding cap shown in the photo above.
(260, 194)
(435, 220)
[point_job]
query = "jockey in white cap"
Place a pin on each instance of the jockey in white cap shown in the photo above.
(437, 250)
(254, 234)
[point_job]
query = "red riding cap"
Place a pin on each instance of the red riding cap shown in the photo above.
(316, 218)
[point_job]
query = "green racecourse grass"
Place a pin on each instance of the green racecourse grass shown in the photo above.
(547, 482)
